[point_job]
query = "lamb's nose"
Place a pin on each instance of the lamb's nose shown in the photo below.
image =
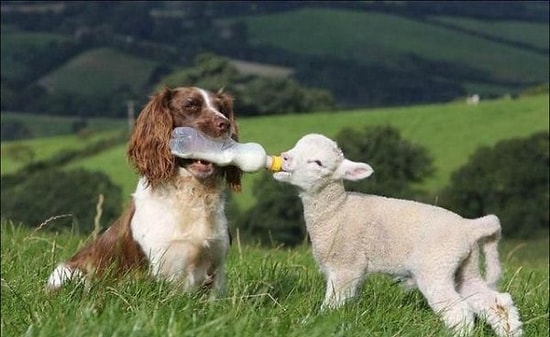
(286, 160)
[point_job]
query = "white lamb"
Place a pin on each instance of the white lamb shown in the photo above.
(353, 234)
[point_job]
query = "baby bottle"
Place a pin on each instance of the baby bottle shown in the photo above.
(190, 143)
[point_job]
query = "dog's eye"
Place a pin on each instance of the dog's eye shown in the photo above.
(190, 103)
(221, 107)
(222, 110)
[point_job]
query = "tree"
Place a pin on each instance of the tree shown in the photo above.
(254, 95)
(397, 163)
(209, 71)
(65, 197)
(15, 129)
(510, 180)
(267, 96)
(277, 217)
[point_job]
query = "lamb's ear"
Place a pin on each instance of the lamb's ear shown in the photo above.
(351, 170)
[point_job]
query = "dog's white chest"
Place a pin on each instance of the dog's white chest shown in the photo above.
(178, 228)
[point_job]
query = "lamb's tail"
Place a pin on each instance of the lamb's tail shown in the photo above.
(487, 234)
(62, 274)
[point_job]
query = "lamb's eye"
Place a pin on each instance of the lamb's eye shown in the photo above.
(318, 162)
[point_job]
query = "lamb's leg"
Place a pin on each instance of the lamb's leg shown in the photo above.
(443, 299)
(496, 308)
(341, 286)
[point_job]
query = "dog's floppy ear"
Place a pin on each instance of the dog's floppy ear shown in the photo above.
(232, 173)
(148, 148)
(226, 107)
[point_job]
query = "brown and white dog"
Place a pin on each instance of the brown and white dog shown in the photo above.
(175, 223)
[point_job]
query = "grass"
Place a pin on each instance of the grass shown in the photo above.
(105, 70)
(365, 36)
(270, 292)
(46, 147)
(534, 34)
(450, 132)
(41, 126)
(385, 37)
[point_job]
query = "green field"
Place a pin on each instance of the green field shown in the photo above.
(450, 132)
(100, 72)
(41, 126)
(533, 34)
(384, 38)
(492, 57)
(270, 292)
(46, 147)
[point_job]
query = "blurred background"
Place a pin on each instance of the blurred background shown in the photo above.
(88, 58)
(470, 74)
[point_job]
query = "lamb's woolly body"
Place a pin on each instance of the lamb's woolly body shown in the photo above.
(364, 220)
(354, 234)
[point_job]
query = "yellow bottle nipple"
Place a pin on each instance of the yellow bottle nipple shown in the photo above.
(276, 163)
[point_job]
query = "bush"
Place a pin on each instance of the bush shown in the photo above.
(277, 216)
(397, 163)
(509, 180)
(268, 96)
(19, 152)
(52, 194)
(14, 129)
(254, 95)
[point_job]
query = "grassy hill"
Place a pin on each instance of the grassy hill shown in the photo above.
(99, 72)
(489, 57)
(41, 126)
(376, 38)
(451, 133)
(19, 46)
(531, 34)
